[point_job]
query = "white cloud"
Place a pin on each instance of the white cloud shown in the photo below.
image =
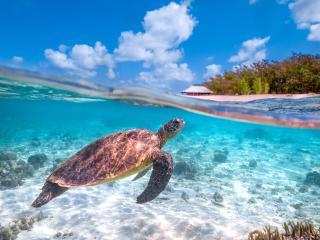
(17, 59)
(306, 10)
(145, 47)
(168, 72)
(314, 32)
(164, 29)
(212, 70)
(306, 14)
(82, 60)
(157, 46)
(59, 59)
(251, 51)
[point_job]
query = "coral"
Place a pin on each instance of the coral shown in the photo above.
(61, 235)
(13, 172)
(291, 231)
(185, 196)
(37, 160)
(185, 170)
(11, 231)
(220, 156)
(303, 189)
(313, 178)
(253, 164)
(6, 156)
(217, 197)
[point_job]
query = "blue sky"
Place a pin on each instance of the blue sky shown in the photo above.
(169, 44)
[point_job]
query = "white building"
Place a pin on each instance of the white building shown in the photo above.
(196, 90)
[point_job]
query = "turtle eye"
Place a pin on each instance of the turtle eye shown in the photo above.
(176, 123)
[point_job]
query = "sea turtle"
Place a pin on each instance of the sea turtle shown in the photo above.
(113, 157)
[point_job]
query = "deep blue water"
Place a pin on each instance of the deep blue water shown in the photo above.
(231, 177)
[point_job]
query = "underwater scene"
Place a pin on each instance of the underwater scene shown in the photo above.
(229, 177)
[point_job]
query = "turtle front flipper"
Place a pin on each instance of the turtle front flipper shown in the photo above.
(49, 191)
(142, 173)
(160, 176)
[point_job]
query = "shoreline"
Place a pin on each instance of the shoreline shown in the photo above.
(248, 98)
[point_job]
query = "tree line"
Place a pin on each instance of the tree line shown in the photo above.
(300, 73)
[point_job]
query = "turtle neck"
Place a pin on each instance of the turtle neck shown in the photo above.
(163, 136)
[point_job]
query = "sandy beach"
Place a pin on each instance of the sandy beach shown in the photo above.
(248, 98)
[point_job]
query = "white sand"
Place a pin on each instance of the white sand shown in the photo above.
(248, 98)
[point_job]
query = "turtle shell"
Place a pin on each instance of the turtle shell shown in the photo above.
(109, 158)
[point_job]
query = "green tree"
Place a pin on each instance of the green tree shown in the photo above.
(257, 86)
(244, 87)
(265, 88)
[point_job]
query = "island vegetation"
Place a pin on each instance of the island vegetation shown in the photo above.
(300, 73)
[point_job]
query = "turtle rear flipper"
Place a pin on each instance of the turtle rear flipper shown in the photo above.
(49, 191)
(160, 176)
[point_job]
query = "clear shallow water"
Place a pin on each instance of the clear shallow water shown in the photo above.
(258, 170)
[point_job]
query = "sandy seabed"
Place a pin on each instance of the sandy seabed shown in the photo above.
(269, 193)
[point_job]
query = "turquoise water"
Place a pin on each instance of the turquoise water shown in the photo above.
(230, 177)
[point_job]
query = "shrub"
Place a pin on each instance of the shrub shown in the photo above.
(298, 74)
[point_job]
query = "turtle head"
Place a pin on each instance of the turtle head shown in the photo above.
(170, 129)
